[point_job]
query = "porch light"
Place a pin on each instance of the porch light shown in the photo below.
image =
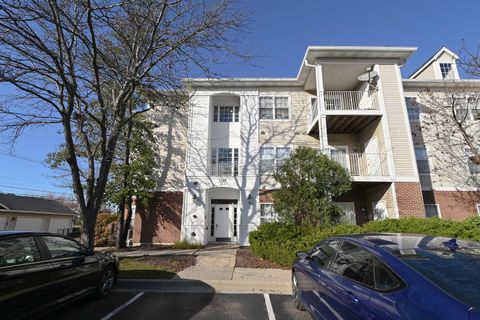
(250, 202)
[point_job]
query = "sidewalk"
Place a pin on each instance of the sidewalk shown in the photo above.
(214, 270)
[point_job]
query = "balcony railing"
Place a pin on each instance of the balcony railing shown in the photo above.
(223, 169)
(351, 100)
(363, 164)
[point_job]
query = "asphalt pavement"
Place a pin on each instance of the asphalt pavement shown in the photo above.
(181, 306)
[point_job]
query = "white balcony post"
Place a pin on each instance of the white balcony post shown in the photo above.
(322, 119)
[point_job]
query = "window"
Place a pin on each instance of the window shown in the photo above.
(61, 248)
(267, 213)
(18, 251)
(478, 208)
(473, 166)
(354, 263)
(445, 69)
(432, 211)
(274, 108)
(226, 113)
(384, 278)
(467, 108)
(322, 254)
(224, 161)
(272, 158)
(412, 108)
(422, 160)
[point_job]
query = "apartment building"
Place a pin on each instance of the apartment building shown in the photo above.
(347, 102)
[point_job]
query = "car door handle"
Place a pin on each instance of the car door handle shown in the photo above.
(352, 297)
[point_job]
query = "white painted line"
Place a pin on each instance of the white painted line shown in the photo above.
(123, 306)
(268, 303)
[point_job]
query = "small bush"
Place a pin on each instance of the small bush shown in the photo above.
(103, 228)
(279, 242)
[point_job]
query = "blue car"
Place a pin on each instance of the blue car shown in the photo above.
(389, 276)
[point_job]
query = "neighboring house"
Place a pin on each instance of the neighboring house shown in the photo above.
(450, 181)
(25, 213)
(347, 102)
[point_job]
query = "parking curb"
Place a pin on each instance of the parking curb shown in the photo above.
(201, 286)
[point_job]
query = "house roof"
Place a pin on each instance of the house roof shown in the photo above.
(12, 202)
(314, 54)
(431, 60)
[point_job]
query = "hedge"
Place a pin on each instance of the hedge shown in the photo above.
(279, 242)
(103, 228)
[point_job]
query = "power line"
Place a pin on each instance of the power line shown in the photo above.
(28, 158)
(31, 189)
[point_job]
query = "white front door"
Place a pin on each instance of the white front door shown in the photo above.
(222, 220)
(379, 210)
(348, 216)
(373, 157)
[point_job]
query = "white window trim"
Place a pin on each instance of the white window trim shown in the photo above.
(478, 208)
(274, 216)
(289, 103)
(218, 114)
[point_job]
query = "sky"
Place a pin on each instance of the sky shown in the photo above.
(279, 33)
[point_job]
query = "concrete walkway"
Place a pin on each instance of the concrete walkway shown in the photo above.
(215, 270)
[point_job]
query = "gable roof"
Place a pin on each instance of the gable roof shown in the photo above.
(432, 59)
(13, 202)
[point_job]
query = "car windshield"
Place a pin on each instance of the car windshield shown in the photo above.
(457, 273)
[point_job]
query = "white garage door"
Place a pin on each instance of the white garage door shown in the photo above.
(59, 223)
(29, 224)
(3, 222)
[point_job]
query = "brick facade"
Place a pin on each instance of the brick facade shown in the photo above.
(454, 205)
(409, 199)
(266, 196)
(161, 221)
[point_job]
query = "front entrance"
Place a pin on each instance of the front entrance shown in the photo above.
(223, 220)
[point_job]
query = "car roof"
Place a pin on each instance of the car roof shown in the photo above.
(401, 241)
(5, 233)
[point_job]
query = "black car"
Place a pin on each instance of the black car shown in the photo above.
(41, 271)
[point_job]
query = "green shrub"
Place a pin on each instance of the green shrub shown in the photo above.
(279, 242)
(103, 228)
(184, 244)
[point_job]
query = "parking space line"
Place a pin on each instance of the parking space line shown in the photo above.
(268, 303)
(123, 306)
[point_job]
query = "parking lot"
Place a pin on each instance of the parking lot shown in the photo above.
(151, 305)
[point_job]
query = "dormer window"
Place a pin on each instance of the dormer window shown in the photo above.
(445, 69)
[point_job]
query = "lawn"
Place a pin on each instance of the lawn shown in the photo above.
(162, 267)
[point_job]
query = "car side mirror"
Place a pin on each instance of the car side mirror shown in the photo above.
(302, 255)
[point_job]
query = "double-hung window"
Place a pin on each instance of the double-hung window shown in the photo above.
(224, 161)
(473, 166)
(272, 158)
(226, 113)
(445, 69)
(412, 108)
(422, 160)
(274, 108)
(267, 213)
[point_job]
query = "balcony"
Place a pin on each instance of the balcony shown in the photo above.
(346, 111)
(351, 100)
(223, 169)
(363, 164)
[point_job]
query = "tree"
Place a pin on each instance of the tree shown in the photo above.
(133, 175)
(308, 182)
(448, 125)
(76, 65)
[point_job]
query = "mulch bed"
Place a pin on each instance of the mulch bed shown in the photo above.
(246, 259)
(161, 267)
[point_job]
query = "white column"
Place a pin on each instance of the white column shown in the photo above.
(322, 119)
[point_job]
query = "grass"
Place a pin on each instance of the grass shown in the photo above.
(163, 267)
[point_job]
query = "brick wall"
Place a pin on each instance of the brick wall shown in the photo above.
(457, 205)
(266, 196)
(409, 199)
(161, 221)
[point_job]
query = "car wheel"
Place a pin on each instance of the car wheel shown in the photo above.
(107, 280)
(296, 293)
